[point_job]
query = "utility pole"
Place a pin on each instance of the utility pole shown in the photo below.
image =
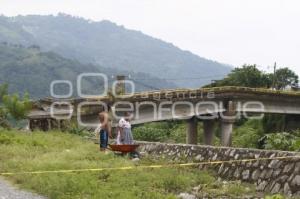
(121, 84)
(274, 77)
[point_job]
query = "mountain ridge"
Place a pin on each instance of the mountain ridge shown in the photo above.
(27, 69)
(110, 45)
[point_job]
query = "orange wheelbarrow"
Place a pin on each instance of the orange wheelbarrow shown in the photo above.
(124, 148)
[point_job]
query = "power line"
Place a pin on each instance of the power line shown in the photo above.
(182, 78)
(146, 85)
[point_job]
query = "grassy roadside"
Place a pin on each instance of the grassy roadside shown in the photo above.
(57, 151)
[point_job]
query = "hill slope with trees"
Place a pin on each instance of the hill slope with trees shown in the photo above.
(27, 69)
(111, 46)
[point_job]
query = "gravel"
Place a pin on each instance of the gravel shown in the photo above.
(7, 191)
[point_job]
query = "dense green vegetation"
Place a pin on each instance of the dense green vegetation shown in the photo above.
(171, 132)
(249, 134)
(111, 46)
(27, 69)
(251, 76)
(38, 151)
(13, 108)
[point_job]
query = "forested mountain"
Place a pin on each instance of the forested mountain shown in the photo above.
(29, 69)
(111, 46)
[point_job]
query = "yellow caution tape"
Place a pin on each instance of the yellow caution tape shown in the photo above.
(149, 166)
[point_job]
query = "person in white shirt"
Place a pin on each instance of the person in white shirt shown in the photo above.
(124, 130)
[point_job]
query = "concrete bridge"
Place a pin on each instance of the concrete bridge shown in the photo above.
(221, 105)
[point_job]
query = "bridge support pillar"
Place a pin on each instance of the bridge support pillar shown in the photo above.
(227, 120)
(192, 131)
(208, 130)
(226, 132)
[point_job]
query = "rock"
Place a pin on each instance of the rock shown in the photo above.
(262, 186)
(297, 167)
(248, 164)
(275, 188)
(297, 193)
(273, 155)
(225, 171)
(143, 154)
(276, 172)
(186, 196)
(215, 157)
(245, 174)
(283, 178)
(274, 164)
(135, 160)
(255, 164)
(268, 173)
(197, 189)
(232, 153)
(255, 174)
(199, 158)
(221, 169)
(290, 178)
(287, 189)
(288, 168)
(227, 152)
(296, 181)
(236, 156)
(237, 173)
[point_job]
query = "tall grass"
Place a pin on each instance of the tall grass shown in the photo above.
(39, 151)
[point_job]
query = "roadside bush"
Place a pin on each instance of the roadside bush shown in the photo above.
(283, 141)
(248, 135)
(73, 128)
(149, 134)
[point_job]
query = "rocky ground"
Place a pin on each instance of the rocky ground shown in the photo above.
(7, 191)
(220, 189)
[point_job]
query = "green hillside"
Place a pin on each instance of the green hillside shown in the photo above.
(112, 46)
(29, 69)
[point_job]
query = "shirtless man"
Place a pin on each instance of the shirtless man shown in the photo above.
(104, 130)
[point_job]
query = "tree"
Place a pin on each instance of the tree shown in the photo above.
(251, 76)
(16, 106)
(3, 91)
(3, 111)
(12, 106)
(285, 77)
(246, 76)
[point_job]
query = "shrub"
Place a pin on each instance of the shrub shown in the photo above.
(248, 135)
(149, 134)
(281, 141)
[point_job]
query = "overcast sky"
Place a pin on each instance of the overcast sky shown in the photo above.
(229, 31)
